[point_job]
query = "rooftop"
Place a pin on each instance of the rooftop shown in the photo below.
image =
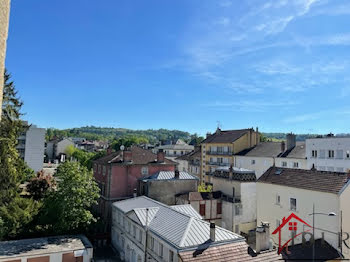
(174, 225)
(273, 149)
(140, 156)
(192, 155)
(168, 175)
(226, 136)
(40, 246)
(323, 181)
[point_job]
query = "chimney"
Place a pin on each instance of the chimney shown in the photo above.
(257, 135)
(109, 150)
(177, 174)
(127, 156)
(291, 141)
(135, 192)
(212, 232)
(208, 135)
(160, 156)
(230, 174)
(262, 237)
(283, 146)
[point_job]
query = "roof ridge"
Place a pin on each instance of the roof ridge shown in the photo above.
(186, 232)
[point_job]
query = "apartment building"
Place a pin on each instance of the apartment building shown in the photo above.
(4, 24)
(219, 149)
(31, 147)
(176, 149)
(282, 192)
(76, 248)
(164, 186)
(146, 230)
(329, 153)
(238, 188)
(118, 174)
(190, 162)
(261, 157)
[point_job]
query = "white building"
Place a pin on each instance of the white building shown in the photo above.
(190, 162)
(31, 147)
(329, 153)
(56, 149)
(47, 249)
(261, 157)
(146, 230)
(283, 191)
(238, 187)
(179, 148)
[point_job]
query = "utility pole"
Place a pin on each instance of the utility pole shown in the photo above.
(313, 232)
(146, 235)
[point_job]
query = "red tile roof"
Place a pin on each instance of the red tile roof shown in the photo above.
(237, 251)
(140, 156)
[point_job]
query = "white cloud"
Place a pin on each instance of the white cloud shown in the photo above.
(303, 117)
(248, 105)
(225, 21)
(225, 3)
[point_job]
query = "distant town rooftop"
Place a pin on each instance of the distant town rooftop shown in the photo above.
(41, 246)
(169, 175)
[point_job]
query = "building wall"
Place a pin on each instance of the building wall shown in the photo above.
(165, 190)
(182, 164)
(4, 22)
(290, 162)
(34, 148)
(269, 211)
(49, 151)
(128, 243)
(258, 164)
(344, 207)
(62, 145)
(341, 164)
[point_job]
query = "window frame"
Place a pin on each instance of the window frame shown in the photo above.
(291, 205)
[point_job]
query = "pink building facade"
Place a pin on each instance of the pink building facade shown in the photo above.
(117, 174)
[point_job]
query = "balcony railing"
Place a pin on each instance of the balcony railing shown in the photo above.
(217, 163)
(220, 153)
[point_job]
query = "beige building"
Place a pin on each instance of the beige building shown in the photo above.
(190, 162)
(47, 249)
(290, 154)
(4, 22)
(283, 191)
(218, 149)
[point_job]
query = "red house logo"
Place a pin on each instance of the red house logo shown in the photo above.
(292, 226)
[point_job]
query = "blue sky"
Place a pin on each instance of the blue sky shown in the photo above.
(187, 64)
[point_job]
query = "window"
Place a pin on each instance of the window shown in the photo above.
(293, 204)
(347, 153)
(314, 153)
(129, 227)
(182, 152)
(160, 250)
(174, 152)
(134, 231)
(104, 170)
(219, 208)
(202, 209)
(322, 153)
(237, 210)
(151, 243)
(171, 256)
(140, 235)
(339, 154)
(284, 164)
(295, 164)
(278, 200)
(144, 170)
(237, 229)
(330, 153)
(253, 161)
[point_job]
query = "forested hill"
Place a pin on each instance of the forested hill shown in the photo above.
(109, 133)
(299, 137)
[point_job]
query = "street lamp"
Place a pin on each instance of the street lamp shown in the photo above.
(331, 214)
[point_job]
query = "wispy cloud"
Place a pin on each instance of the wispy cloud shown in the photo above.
(247, 105)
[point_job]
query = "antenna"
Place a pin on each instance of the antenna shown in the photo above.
(218, 124)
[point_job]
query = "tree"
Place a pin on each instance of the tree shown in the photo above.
(15, 212)
(40, 185)
(70, 150)
(67, 209)
(205, 188)
(128, 141)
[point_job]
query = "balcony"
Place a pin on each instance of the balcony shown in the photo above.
(217, 163)
(220, 153)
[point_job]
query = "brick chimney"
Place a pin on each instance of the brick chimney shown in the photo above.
(177, 174)
(291, 141)
(109, 150)
(262, 237)
(257, 135)
(127, 156)
(212, 232)
(135, 192)
(283, 146)
(160, 156)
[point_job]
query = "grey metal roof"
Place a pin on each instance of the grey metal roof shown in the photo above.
(44, 245)
(178, 228)
(263, 149)
(166, 175)
(187, 209)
